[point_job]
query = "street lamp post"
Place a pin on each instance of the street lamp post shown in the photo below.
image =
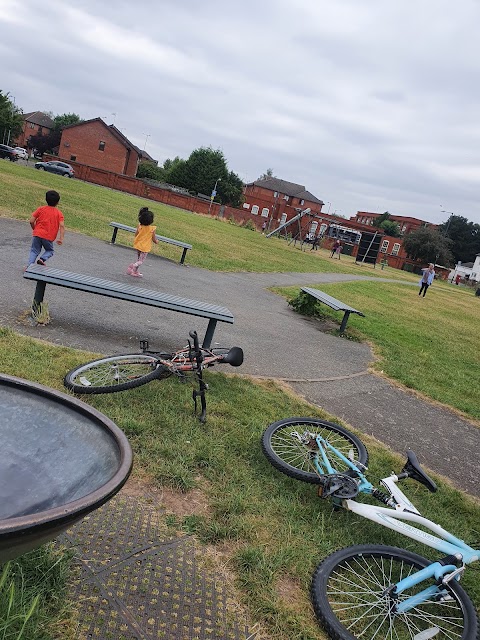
(147, 136)
(214, 193)
(329, 205)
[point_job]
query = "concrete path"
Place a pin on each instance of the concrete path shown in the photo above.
(277, 342)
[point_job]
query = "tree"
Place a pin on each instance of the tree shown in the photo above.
(65, 120)
(205, 168)
(391, 228)
(268, 174)
(465, 237)
(151, 171)
(427, 244)
(11, 119)
(47, 143)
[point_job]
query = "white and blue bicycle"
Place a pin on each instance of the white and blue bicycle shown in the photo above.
(376, 592)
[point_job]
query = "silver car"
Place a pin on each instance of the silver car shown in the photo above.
(55, 166)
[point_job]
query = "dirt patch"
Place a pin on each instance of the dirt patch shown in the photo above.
(291, 594)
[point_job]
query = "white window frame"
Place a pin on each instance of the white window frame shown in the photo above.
(283, 218)
(246, 205)
(396, 249)
(265, 212)
(384, 247)
(255, 209)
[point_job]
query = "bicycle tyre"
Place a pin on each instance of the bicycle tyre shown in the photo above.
(295, 460)
(349, 599)
(115, 373)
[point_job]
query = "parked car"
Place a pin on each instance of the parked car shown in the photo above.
(8, 153)
(54, 166)
(22, 153)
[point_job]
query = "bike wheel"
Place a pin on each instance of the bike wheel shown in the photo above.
(350, 597)
(287, 454)
(116, 373)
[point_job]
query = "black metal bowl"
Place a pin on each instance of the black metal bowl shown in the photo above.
(59, 460)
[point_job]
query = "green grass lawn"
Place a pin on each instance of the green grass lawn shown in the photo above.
(275, 530)
(217, 245)
(428, 344)
(270, 530)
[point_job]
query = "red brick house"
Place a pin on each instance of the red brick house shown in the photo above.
(392, 248)
(278, 200)
(99, 145)
(34, 123)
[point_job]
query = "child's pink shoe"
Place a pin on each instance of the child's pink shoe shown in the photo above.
(130, 269)
(135, 274)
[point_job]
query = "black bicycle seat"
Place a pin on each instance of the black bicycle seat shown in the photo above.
(413, 470)
(234, 357)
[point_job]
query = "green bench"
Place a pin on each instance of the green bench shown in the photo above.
(121, 291)
(124, 227)
(334, 304)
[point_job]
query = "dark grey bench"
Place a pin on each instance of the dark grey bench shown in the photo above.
(124, 227)
(335, 304)
(47, 275)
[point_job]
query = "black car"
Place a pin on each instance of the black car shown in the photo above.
(8, 153)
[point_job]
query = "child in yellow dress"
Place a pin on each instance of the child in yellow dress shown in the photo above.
(144, 236)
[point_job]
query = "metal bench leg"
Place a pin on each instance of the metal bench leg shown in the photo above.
(182, 260)
(344, 321)
(38, 297)
(207, 341)
(114, 235)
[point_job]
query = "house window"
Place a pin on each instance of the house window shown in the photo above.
(246, 205)
(275, 194)
(255, 210)
(302, 201)
(31, 125)
(101, 145)
(396, 249)
(286, 198)
(73, 158)
(283, 219)
(40, 130)
(265, 212)
(384, 246)
(323, 228)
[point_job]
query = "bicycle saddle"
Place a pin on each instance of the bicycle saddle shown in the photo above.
(234, 357)
(412, 469)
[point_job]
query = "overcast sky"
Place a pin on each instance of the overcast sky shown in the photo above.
(373, 105)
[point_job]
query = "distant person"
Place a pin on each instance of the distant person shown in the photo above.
(47, 223)
(315, 243)
(264, 226)
(338, 250)
(336, 244)
(144, 236)
(426, 279)
(458, 277)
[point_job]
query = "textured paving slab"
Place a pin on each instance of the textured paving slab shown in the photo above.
(135, 581)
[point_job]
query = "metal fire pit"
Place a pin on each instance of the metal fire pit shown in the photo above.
(59, 460)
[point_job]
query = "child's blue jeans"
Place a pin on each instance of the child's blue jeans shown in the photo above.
(37, 244)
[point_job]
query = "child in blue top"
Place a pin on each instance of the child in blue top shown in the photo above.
(426, 279)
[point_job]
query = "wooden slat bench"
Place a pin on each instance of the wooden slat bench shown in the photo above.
(335, 304)
(47, 275)
(117, 225)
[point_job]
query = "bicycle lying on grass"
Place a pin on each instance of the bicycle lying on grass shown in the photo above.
(127, 371)
(376, 592)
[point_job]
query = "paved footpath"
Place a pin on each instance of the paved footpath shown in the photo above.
(277, 342)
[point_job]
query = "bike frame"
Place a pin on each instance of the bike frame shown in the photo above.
(398, 519)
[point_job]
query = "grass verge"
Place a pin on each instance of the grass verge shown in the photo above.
(428, 344)
(271, 530)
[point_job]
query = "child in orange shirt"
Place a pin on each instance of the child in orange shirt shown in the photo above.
(47, 222)
(144, 236)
